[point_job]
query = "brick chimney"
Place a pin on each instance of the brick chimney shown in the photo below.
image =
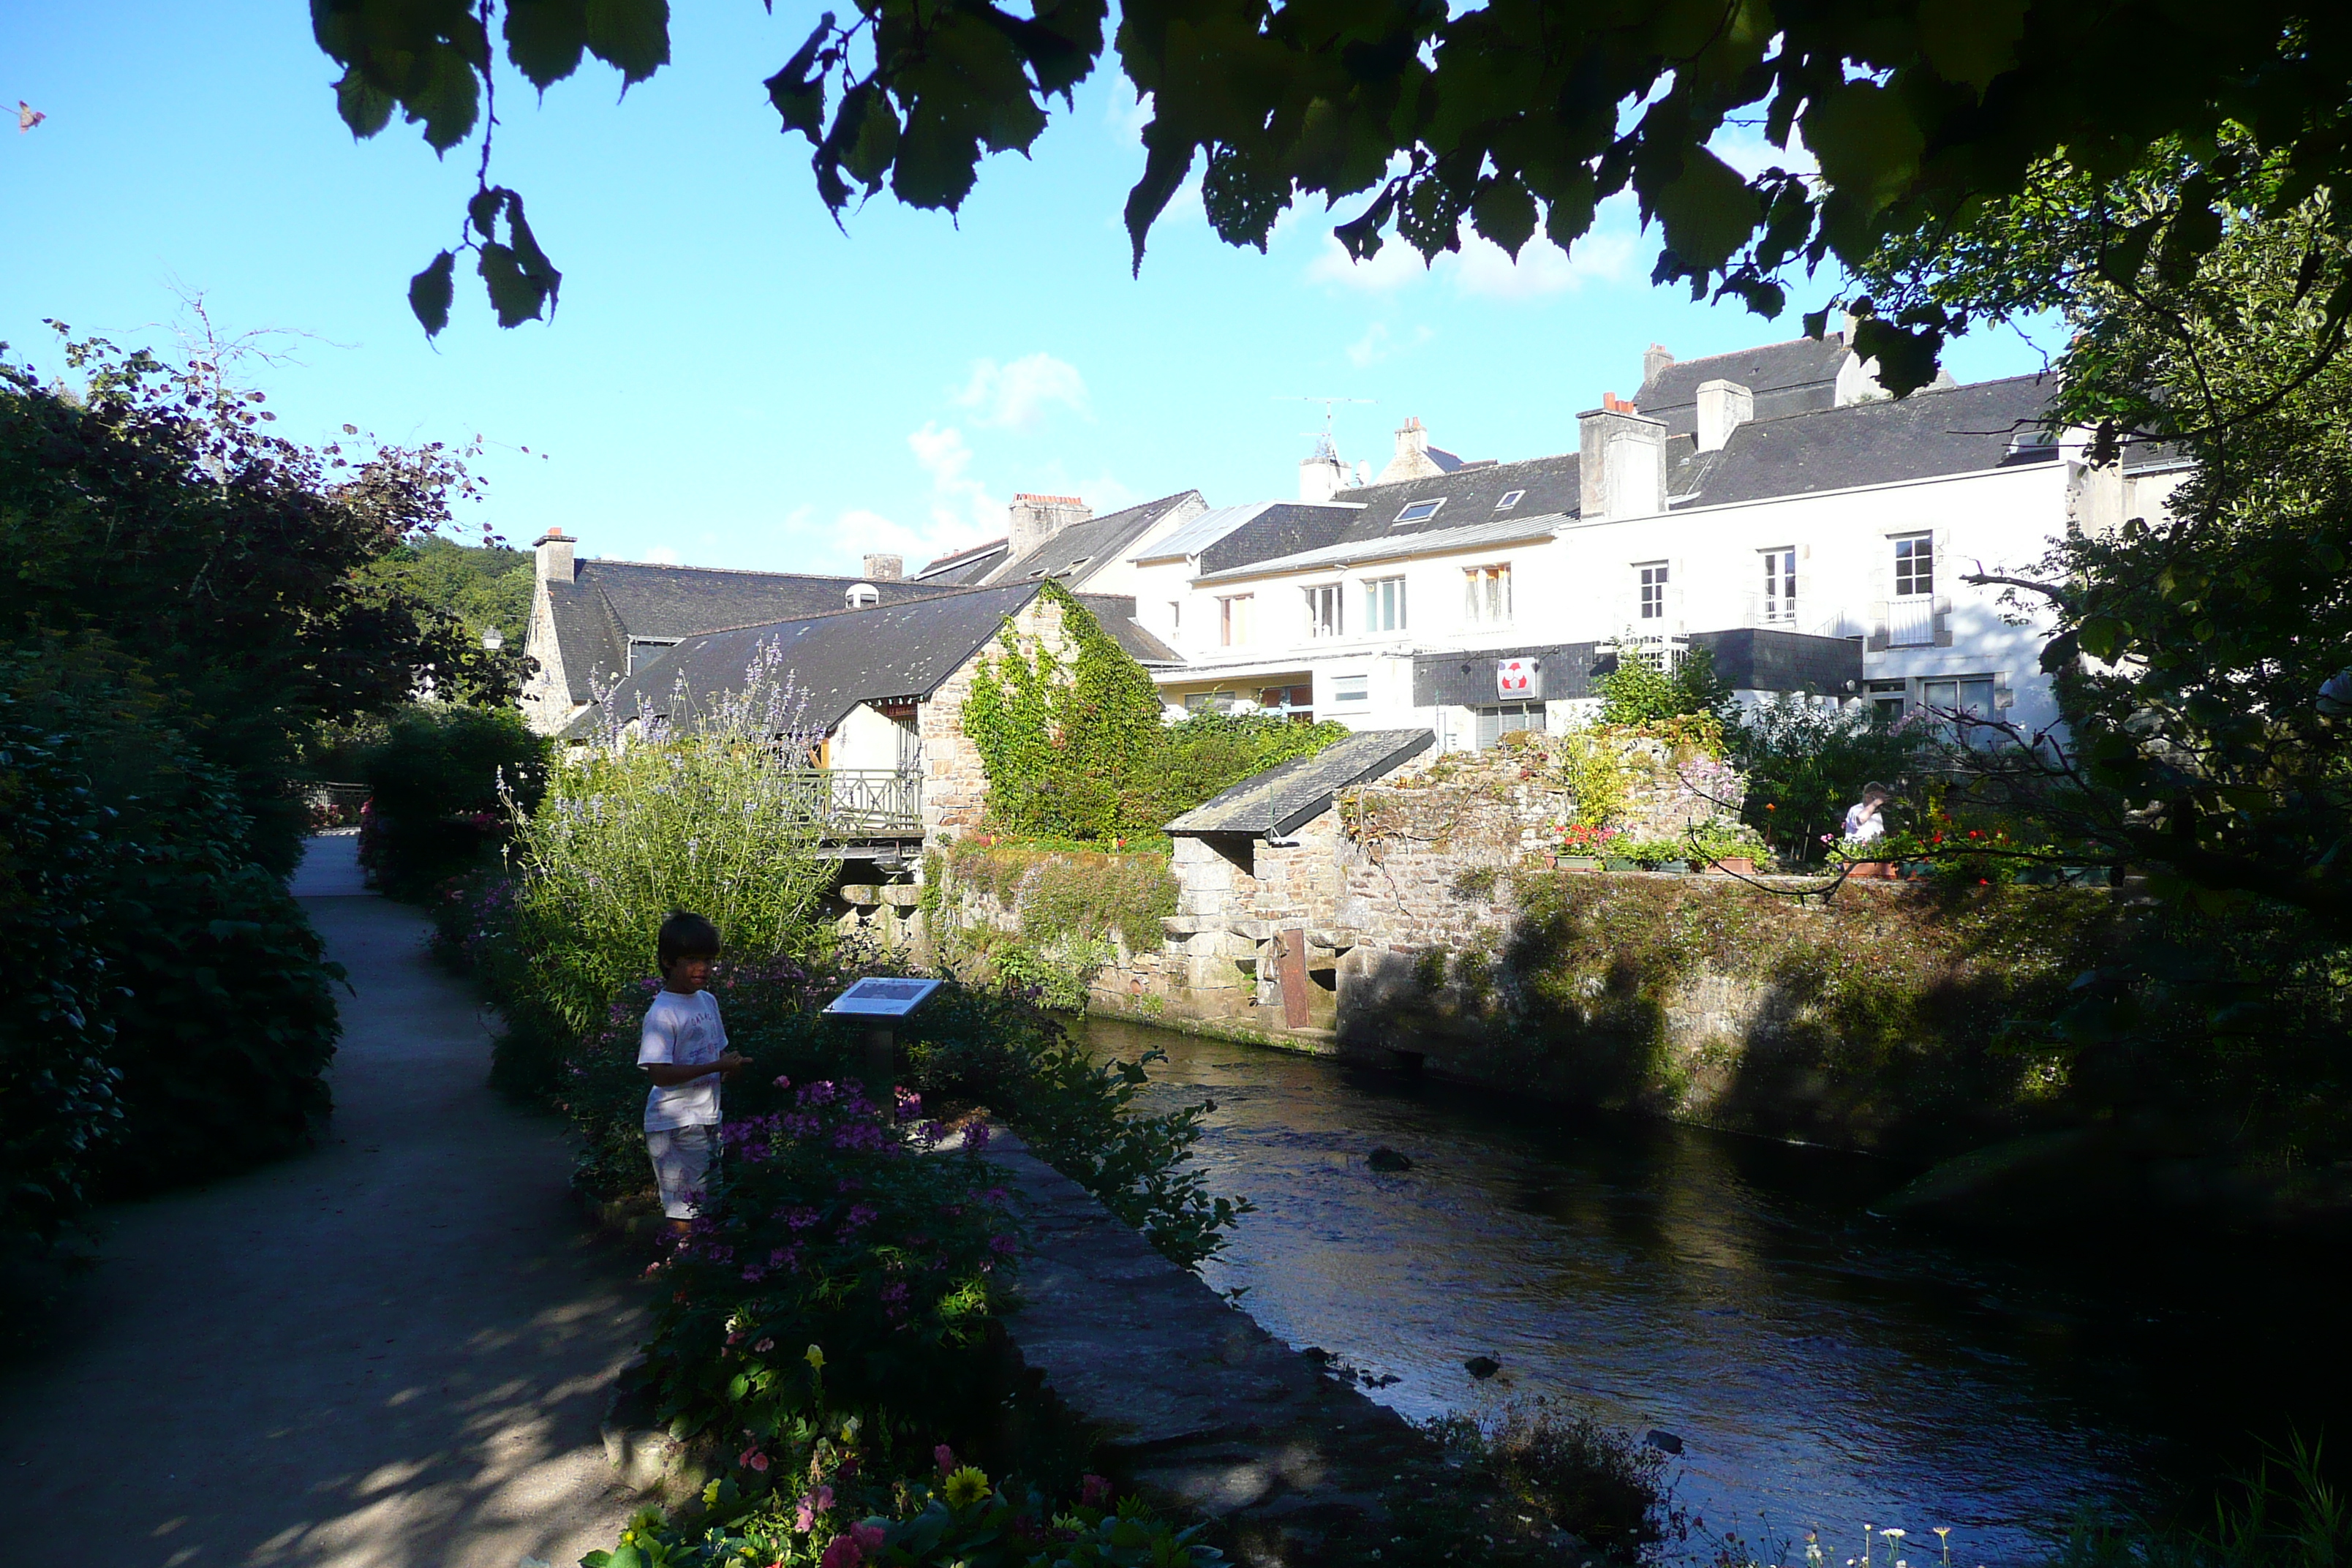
(1654, 361)
(1412, 460)
(1037, 519)
(1723, 406)
(885, 568)
(553, 549)
(1620, 462)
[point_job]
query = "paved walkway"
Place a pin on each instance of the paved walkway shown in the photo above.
(389, 1353)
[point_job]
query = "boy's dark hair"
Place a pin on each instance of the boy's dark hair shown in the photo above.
(685, 935)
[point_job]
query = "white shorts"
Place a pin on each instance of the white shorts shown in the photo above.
(681, 1157)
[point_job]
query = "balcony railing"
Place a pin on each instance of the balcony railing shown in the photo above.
(859, 803)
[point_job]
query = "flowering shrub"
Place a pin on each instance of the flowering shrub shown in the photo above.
(1584, 837)
(434, 778)
(954, 1517)
(826, 1227)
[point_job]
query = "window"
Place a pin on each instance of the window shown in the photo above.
(643, 651)
(1510, 499)
(1420, 510)
(1233, 620)
(1959, 693)
(1914, 565)
(1652, 580)
(1209, 702)
(1887, 698)
(1323, 618)
(1351, 688)
(1384, 605)
(1779, 587)
(1296, 701)
(861, 594)
(1494, 723)
(1486, 595)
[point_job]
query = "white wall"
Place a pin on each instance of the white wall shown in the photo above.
(865, 738)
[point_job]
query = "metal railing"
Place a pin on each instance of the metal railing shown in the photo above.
(859, 803)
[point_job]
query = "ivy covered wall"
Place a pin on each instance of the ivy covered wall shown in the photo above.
(1054, 919)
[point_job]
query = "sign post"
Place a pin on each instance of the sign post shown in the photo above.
(882, 1000)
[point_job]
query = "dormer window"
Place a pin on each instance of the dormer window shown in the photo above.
(1510, 499)
(862, 596)
(1419, 511)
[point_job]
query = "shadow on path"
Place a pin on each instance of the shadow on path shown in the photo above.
(389, 1353)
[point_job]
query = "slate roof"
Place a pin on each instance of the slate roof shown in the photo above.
(1799, 376)
(1508, 529)
(1951, 430)
(1288, 796)
(965, 567)
(901, 649)
(1470, 494)
(1203, 530)
(608, 603)
(1085, 548)
(1280, 528)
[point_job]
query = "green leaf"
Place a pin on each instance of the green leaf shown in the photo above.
(536, 267)
(798, 95)
(514, 294)
(1167, 158)
(1708, 211)
(482, 210)
(874, 141)
(430, 291)
(545, 37)
(449, 102)
(1906, 355)
(630, 34)
(938, 159)
(1971, 41)
(1866, 143)
(1505, 213)
(364, 108)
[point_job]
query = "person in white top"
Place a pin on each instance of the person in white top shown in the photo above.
(1863, 821)
(683, 1053)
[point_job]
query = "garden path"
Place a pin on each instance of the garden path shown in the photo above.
(391, 1351)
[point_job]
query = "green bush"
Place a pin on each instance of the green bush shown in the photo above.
(443, 782)
(1806, 764)
(1591, 1480)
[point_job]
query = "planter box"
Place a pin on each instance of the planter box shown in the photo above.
(1875, 871)
(1739, 865)
(1618, 863)
(1673, 867)
(1577, 862)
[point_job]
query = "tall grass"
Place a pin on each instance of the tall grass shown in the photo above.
(2286, 1513)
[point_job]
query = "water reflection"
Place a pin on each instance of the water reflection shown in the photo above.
(1825, 1368)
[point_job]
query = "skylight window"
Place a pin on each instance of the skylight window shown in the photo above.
(1510, 499)
(1420, 510)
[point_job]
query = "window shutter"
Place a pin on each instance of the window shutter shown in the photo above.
(1808, 613)
(1675, 569)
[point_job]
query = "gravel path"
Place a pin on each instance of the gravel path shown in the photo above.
(389, 1351)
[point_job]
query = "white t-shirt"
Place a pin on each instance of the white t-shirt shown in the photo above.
(684, 1030)
(1863, 825)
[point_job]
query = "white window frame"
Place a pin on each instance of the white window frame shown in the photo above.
(1326, 609)
(1907, 550)
(1350, 689)
(1779, 601)
(1405, 513)
(1510, 499)
(1384, 605)
(1651, 584)
(1487, 594)
(1235, 613)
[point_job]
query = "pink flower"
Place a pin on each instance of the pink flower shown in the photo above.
(842, 1551)
(868, 1538)
(763, 1347)
(943, 1456)
(752, 1459)
(1094, 1491)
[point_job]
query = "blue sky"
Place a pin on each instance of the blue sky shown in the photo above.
(730, 380)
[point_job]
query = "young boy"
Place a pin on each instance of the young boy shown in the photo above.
(683, 1052)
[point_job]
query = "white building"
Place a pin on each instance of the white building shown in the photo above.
(1773, 506)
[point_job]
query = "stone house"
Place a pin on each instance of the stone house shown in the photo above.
(1060, 537)
(876, 692)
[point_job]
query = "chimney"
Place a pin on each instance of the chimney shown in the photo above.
(1620, 462)
(1322, 475)
(1037, 519)
(1412, 460)
(553, 549)
(1723, 406)
(885, 568)
(1655, 362)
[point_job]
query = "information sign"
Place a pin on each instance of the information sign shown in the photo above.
(883, 996)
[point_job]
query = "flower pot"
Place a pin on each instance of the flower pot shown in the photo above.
(1674, 867)
(1618, 863)
(1577, 862)
(1737, 865)
(1874, 870)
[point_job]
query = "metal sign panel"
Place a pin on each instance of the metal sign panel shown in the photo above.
(883, 996)
(1520, 678)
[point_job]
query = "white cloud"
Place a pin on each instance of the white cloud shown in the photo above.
(1019, 395)
(662, 556)
(1379, 343)
(1483, 269)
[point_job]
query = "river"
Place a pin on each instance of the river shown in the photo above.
(1823, 1368)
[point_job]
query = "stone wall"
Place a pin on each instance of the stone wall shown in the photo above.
(955, 782)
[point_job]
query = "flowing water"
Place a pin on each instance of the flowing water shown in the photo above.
(1823, 1368)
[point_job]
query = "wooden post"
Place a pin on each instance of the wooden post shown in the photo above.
(1293, 970)
(881, 1050)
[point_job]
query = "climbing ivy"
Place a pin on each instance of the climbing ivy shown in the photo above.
(1066, 745)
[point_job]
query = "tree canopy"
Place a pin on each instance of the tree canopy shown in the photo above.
(1429, 122)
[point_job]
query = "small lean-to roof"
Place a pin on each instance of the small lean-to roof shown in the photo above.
(965, 567)
(1288, 796)
(1082, 548)
(1397, 546)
